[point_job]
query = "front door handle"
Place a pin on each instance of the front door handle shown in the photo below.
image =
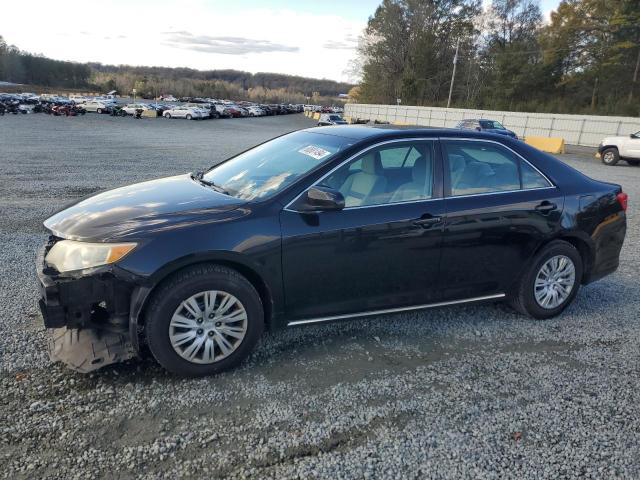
(546, 207)
(427, 221)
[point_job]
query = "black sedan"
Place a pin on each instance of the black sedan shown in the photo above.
(315, 226)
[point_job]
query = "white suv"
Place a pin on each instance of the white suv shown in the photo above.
(613, 149)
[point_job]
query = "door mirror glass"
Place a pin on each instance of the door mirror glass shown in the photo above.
(320, 198)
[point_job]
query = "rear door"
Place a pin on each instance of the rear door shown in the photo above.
(499, 210)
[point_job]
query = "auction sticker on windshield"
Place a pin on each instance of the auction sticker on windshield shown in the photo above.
(314, 152)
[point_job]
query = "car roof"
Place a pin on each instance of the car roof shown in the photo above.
(362, 132)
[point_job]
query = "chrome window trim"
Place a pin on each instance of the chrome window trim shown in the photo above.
(370, 147)
(450, 197)
(394, 310)
(427, 139)
(467, 139)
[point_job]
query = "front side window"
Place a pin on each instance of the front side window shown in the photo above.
(483, 167)
(268, 168)
(398, 172)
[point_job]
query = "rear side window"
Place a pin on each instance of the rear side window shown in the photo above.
(484, 167)
(531, 178)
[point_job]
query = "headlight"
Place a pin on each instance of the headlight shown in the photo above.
(68, 255)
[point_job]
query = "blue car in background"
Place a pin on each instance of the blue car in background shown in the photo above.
(482, 125)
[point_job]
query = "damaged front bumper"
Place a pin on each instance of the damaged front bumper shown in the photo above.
(88, 314)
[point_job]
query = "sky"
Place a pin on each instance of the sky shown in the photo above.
(312, 38)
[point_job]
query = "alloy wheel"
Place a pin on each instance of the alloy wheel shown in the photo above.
(554, 282)
(208, 326)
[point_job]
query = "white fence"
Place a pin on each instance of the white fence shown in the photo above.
(586, 130)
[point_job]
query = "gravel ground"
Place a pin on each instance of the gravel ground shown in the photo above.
(464, 392)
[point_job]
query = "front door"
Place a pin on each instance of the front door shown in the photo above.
(382, 250)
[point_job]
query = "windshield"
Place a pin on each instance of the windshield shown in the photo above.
(491, 124)
(335, 118)
(268, 168)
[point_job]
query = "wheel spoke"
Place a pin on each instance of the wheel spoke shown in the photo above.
(192, 350)
(181, 338)
(225, 347)
(191, 305)
(209, 301)
(180, 321)
(209, 351)
(234, 317)
(235, 332)
(225, 304)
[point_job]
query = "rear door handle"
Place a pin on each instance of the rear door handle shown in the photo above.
(546, 207)
(427, 221)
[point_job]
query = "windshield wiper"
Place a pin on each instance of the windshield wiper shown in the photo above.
(199, 176)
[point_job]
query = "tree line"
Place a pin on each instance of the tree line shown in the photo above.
(585, 59)
(17, 66)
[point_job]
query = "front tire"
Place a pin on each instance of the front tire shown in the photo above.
(610, 156)
(99, 110)
(550, 283)
(205, 319)
(188, 117)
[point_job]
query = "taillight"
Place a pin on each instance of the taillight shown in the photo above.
(623, 200)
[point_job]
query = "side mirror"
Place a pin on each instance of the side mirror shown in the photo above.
(321, 199)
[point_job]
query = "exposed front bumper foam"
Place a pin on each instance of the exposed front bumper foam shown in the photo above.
(87, 349)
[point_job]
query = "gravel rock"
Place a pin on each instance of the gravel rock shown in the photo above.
(461, 392)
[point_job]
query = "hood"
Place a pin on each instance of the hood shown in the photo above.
(613, 140)
(136, 210)
(501, 131)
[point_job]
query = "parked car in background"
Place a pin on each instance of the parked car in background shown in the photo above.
(97, 106)
(255, 111)
(131, 108)
(331, 119)
(206, 109)
(180, 111)
(483, 125)
(195, 267)
(614, 149)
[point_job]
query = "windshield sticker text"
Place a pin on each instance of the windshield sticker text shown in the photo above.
(314, 152)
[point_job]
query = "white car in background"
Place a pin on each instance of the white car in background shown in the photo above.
(190, 113)
(255, 111)
(132, 107)
(77, 99)
(614, 149)
(97, 106)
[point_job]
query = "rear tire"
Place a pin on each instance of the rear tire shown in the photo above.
(610, 156)
(99, 110)
(169, 299)
(523, 299)
(188, 117)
